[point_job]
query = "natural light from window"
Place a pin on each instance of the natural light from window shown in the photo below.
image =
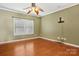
(23, 26)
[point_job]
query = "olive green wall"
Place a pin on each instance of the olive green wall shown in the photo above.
(6, 25)
(46, 26)
(51, 29)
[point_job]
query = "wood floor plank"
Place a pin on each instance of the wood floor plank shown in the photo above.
(37, 47)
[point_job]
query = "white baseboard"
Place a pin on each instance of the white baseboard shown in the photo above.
(59, 41)
(4, 42)
(38, 37)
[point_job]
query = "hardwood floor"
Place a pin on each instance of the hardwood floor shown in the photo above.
(37, 47)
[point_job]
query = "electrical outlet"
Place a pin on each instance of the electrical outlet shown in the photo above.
(61, 38)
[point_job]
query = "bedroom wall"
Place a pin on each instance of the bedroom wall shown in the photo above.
(51, 29)
(45, 26)
(6, 25)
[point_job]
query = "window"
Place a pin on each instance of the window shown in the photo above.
(23, 26)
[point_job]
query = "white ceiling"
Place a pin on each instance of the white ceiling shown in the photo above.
(47, 7)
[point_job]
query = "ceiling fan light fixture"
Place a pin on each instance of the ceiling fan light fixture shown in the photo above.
(37, 9)
(34, 9)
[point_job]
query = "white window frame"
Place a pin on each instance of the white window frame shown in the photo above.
(26, 31)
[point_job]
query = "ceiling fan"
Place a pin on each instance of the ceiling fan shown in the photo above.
(34, 8)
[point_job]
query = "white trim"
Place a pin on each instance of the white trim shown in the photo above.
(69, 6)
(18, 40)
(59, 41)
(39, 37)
(12, 10)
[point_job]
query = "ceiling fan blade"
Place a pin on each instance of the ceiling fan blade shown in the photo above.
(27, 8)
(41, 9)
(28, 11)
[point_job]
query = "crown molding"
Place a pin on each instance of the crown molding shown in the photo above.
(69, 6)
(12, 10)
